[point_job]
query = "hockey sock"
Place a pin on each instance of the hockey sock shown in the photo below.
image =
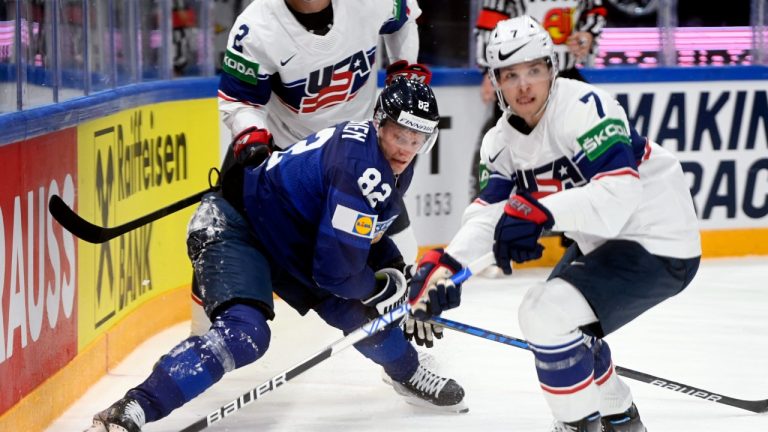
(239, 336)
(387, 348)
(615, 396)
(566, 375)
(602, 356)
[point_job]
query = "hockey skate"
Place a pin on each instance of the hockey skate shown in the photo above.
(430, 390)
(628, 421)
(590, 423)
(125, 415)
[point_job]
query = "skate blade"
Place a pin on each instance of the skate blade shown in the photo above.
(459, 408)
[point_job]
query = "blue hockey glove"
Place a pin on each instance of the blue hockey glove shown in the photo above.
(391, 291)
(517, 233)
(414, 71)
(431, 291)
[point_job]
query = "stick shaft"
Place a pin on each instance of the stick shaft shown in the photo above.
(361, 333)
(756, 406)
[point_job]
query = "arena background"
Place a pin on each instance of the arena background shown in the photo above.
(120, 126)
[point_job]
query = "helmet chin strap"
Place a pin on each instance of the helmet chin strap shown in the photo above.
(549, 94)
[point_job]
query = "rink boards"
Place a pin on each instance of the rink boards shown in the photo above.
(70, 310)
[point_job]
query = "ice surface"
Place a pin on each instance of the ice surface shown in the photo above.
(714, 336)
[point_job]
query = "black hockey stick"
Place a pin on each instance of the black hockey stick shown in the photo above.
(756, 406)
(361, 333)
(91, 233)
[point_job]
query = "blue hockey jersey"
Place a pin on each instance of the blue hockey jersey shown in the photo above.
(319, 205)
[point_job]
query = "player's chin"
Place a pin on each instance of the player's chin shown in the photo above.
(398, 166)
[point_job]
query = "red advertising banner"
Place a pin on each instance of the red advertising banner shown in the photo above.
(38, 262)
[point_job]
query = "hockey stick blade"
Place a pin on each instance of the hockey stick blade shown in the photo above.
(361, 333)
(756, 406)
(91, 233)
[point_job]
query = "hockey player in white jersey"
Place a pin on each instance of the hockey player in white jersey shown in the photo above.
(293, 67)
(563, 157)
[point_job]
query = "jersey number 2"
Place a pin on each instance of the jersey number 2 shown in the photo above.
(237, 43)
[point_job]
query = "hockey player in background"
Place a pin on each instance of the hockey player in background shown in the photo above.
(563, 157)
(293, 67)
(309, 224)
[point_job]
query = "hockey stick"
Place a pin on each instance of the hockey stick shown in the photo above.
(352, 338)
(91, 233)
(756, 406)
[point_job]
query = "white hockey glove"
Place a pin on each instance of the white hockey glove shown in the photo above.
(392, 291)
(423, 333)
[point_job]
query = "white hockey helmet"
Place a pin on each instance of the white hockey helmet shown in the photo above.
(519, 40)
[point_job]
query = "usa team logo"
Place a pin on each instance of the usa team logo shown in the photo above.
(331, 85)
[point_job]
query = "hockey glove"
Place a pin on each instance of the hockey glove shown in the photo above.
(414, 71)
(252, 146)
(390, 290)
(517, 233)
(249, 148)
(423, 333)
(431, 291)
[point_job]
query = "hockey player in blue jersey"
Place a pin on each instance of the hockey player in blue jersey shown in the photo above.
(293, 67)
(563, 157)
(334, 194)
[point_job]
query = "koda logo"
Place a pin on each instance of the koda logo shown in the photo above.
(336, 83)
(241, 68)
(549, 178)
(602, 137)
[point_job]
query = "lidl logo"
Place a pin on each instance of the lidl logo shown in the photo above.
(363, 225)
(353, 222)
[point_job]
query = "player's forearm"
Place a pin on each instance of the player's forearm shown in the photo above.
(238, 116)
(403, 44)
(357, 286)
(600, 208)
(475, 237)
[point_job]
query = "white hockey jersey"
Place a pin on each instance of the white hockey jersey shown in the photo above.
(280, 76)
(599, 180)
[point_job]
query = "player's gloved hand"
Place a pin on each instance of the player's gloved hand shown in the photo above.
(430, 290)
(252, 146)
(414, 71)
(390, 291)
(517, 233)
(421, 332)
(249, 148)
